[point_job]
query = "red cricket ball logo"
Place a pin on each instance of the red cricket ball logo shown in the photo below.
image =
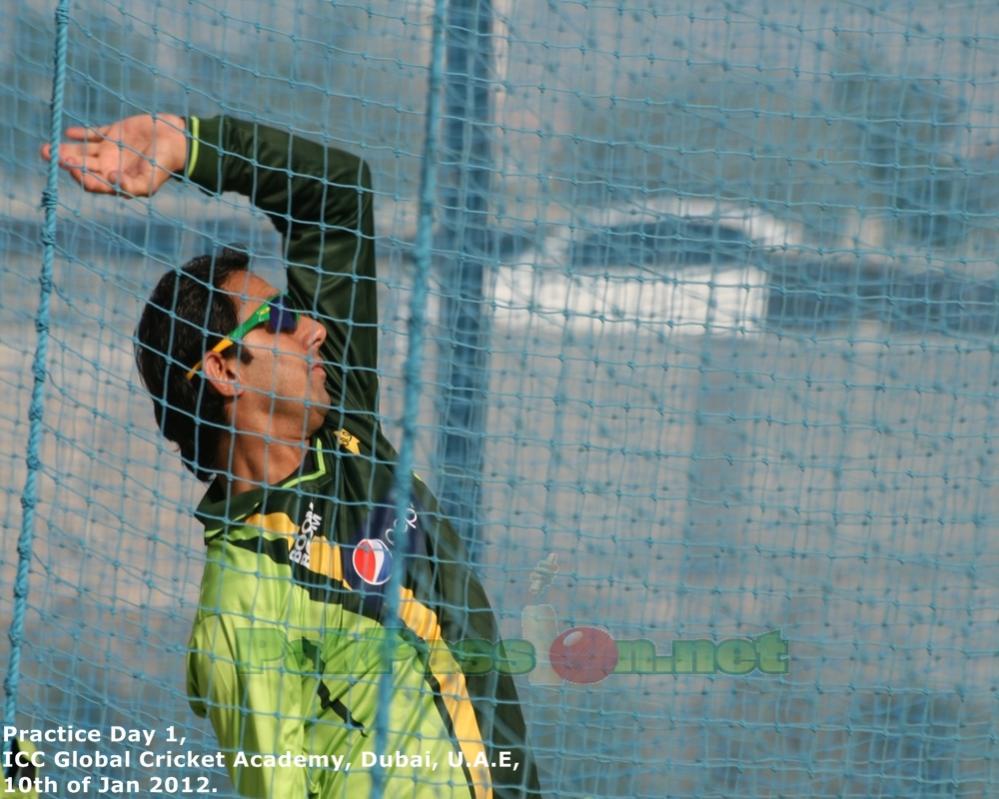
(583, 655)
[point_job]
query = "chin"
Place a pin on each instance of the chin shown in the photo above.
(317, 417)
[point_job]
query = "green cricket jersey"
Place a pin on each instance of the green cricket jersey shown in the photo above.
(286, 651)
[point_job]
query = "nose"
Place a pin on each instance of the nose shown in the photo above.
(315, 335)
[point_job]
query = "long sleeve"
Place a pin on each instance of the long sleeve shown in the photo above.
(320, 200)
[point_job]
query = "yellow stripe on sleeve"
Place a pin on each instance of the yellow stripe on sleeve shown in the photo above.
(192, 158)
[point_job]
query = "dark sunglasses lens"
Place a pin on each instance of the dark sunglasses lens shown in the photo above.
(282, 320)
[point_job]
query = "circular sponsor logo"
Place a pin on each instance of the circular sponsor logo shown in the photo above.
(373, 561)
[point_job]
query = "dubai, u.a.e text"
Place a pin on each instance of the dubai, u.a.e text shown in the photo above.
(121, 749)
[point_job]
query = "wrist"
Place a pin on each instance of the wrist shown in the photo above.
(173, 129)
(205, 152)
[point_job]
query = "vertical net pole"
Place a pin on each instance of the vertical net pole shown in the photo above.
(466, 240)
(29, 497)
(412, 385)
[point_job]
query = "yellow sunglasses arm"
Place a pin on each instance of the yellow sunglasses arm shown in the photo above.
(223, 344)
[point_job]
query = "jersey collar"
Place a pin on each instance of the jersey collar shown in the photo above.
(218, 509)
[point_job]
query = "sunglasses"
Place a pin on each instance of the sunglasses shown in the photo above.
(274, 312)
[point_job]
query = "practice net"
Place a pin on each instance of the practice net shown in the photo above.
(708, 368)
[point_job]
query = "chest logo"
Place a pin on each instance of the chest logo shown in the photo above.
(373, 561)
(348, 441)
(303, 541)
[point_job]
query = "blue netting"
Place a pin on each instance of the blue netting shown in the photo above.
(707, 306)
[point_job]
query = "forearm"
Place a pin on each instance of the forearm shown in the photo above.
(298, 182)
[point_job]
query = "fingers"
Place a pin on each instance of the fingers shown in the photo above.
(90, 181)
(108, 160)
(131, 186)
(90, 175)
(80, 133)
(115, 183)
(66, 157)
(72, 154)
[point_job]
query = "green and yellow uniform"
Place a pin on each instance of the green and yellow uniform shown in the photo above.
(286, 651)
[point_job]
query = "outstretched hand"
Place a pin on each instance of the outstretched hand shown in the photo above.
(131, 157)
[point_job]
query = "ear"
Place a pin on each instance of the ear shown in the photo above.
(222, 374)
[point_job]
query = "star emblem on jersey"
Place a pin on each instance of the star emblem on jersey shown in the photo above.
(373, 561)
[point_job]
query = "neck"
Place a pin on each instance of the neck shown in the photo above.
(252, 461)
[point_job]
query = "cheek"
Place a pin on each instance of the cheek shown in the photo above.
(281, 374)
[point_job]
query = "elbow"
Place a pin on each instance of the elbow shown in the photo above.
(365, 193)
(347, 170)
(363, 175)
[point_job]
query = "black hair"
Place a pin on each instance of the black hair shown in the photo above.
(187, 314)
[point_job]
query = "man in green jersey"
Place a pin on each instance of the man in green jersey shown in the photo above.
(273, 397)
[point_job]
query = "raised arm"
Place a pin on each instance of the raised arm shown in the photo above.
(319, 198)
